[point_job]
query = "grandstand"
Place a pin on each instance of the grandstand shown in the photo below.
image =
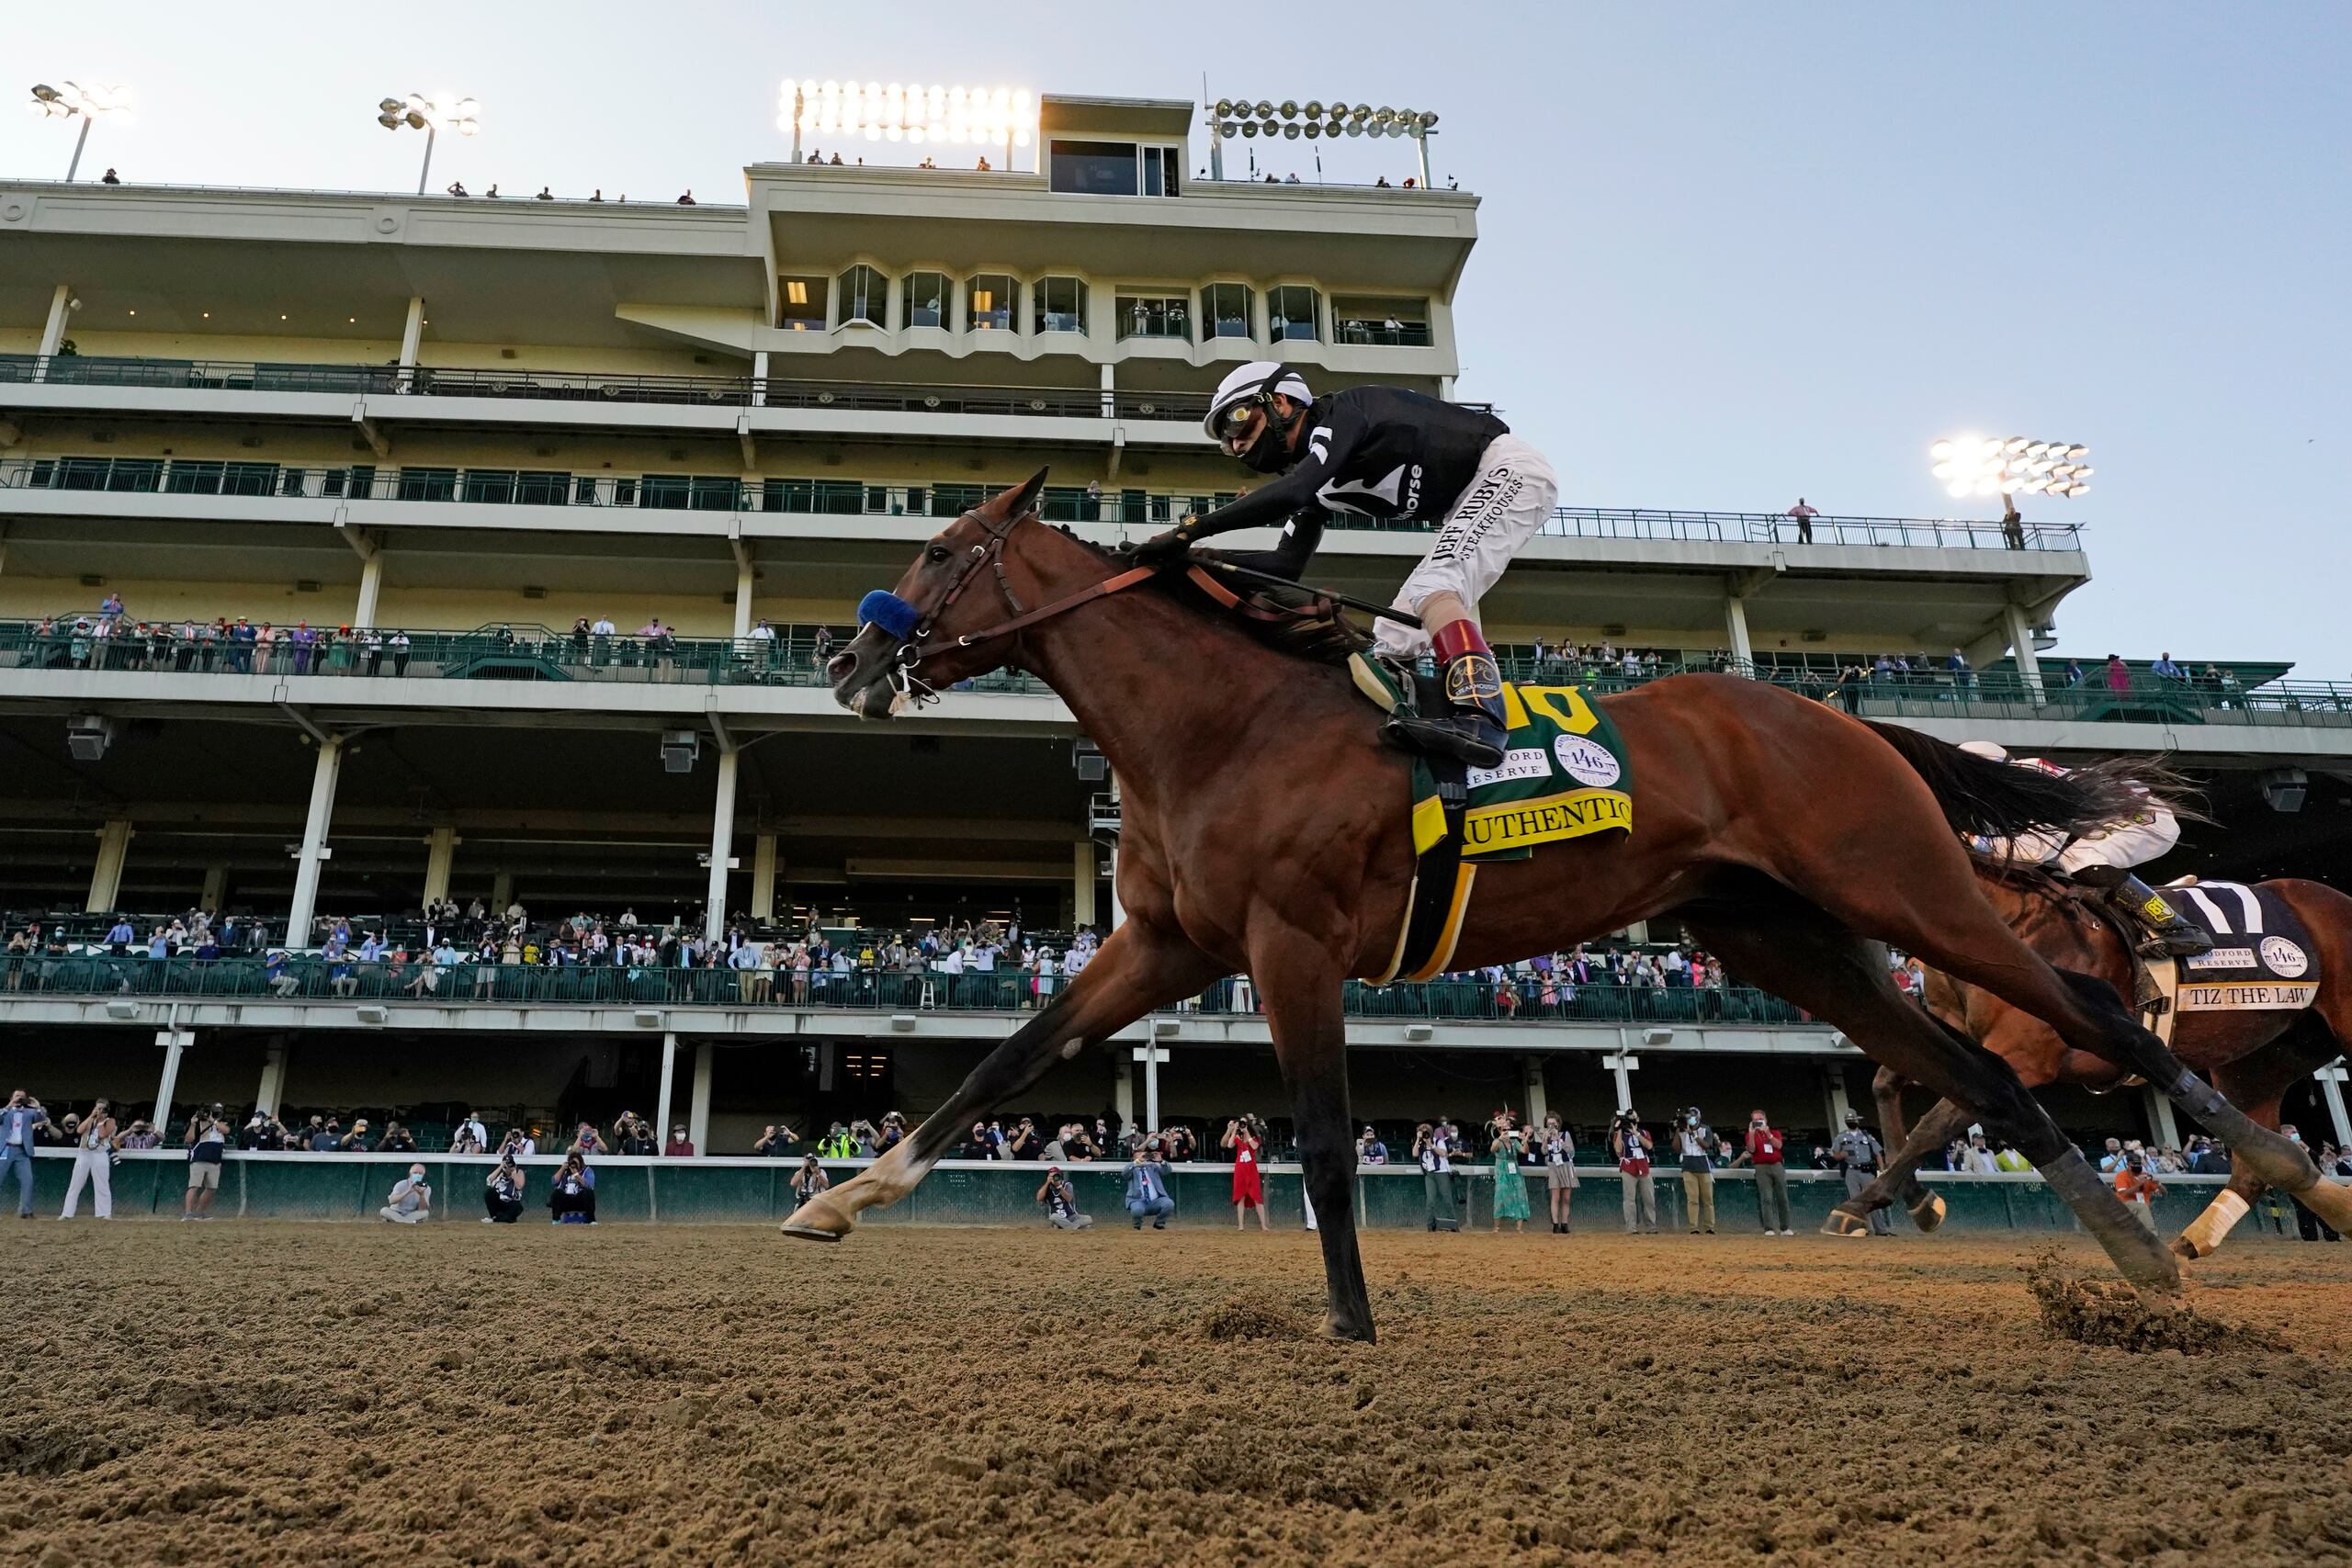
(434, 445)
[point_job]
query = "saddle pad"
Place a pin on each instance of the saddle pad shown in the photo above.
(2262, 956)
(1564, 775)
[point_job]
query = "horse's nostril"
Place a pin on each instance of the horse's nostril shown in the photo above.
(841, 667)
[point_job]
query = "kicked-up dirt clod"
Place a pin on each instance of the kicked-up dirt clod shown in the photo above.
(2108, 1311)
(462, 1394)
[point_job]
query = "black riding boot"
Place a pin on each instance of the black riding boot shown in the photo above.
(2169, 934)
(1473, 728)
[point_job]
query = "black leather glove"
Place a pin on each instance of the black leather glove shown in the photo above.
(1168, 548)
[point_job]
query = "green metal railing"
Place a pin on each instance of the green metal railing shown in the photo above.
(1008, 991)
(523, 652)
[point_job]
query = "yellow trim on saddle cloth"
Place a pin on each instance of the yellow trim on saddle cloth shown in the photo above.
(1457, 911)
(1429, 825)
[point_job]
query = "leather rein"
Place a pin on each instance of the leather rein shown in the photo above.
(991, 554)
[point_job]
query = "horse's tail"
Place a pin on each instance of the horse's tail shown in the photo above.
(1980, 797)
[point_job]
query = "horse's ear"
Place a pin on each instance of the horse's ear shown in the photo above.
(1022, 500)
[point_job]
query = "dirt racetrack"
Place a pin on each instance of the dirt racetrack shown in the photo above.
(260, 1393)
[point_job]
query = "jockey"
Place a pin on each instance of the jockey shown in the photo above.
(1396, 455)
(2104, 859)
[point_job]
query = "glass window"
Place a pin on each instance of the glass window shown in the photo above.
(1224, 311)
(1397, 323)
(1061, 305)
(1294, 312)
(1160, 167)
(987, 302)
(1154, 315)
(925, 298)
(1093, 168)
(866, 297)
(800, 305)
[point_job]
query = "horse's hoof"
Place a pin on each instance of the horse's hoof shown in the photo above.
(1339, 1328)
(808, 1233)
(1930, 1214)
(2186, 1249)
(1840, 1222)
(820, 1219)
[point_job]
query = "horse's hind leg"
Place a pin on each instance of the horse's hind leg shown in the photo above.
(1901, 1176)
(1796, 950)
(2255, 1083)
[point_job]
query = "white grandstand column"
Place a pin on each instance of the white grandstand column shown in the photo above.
(52, 335)
(1110, 389)
(1123, 1091)
(106, 876)
(313, 856)
(2161, 1125)
(502, 890)
(1151, 1054)
(412, 337)
(216, 888)
(760, 379)
(1833, 1095)
(273, 1075)
(1621, 1068)
(1117, 914)
(2331, 1086)
(1743, 654)
(2021, 649)
(1082, 885)
(743, 598)
(1531, 1067)
(661, 1122)
(371, 588)
(440, 858)
(722, 844)
(173, 1041)
(764, 877)
(698, 1114)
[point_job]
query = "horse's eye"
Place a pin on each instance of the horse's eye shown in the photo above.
(936, 554)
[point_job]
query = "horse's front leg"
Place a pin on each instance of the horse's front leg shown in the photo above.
(1140, 967)
(1901, 1175)
(1302, 987)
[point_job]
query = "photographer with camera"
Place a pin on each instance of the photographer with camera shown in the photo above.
(1694, 1145)
(1767, 1150)
(1632, 1146)
(1245, 1143)
(809, 1181)
(631, 1135)
(207, 1141)
(411, 1200)
(502, 1193)
(1060, 1202)
(776, 1141)
(1433, 1151)
(572, 1200)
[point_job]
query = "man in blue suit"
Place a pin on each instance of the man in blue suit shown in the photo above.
(22, 1115)
(1147, 1188)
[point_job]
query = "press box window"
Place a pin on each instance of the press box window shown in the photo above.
(1061, 305)
(1224, 311)
(989, 300)
(924, 296)
(802, 305)
(866, 297)
(1294, 312)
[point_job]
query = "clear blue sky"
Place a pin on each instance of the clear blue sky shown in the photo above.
(1730, 253)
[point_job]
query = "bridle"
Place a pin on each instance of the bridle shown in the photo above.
(914, 647)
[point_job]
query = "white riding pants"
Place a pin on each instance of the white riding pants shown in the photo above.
(2136, 842)
(1503, 508)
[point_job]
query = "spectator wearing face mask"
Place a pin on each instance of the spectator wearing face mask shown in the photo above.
(809, 1181)
(412, 1202)
(1859, 1154)
(2135, 1186)
(501, 1193)
(1557, 1152)
(571, 1198)
(1767, 1151)
(1632, 1146)
(1148, 1195)
(1975, 1157)
(1693, 1143)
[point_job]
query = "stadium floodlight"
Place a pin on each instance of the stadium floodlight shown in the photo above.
(443, 112)
(74, 98)
(2009, 466)
(914, 112)
(1229, 118)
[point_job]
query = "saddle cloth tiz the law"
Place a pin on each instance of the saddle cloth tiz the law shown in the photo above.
(2262, 956)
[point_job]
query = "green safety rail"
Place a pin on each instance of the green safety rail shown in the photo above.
(961, 1192)
(313, 979)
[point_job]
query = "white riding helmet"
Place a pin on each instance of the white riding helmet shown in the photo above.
(1247, 383)
(1992, 750)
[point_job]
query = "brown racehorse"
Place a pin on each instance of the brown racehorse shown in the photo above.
(1265, 831)
(2253, 1056)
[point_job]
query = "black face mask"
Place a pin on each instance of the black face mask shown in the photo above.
(1270, 454)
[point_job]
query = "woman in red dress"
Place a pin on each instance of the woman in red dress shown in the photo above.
(1247, 1139)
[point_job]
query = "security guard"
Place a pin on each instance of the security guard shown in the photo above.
(1860, 1154)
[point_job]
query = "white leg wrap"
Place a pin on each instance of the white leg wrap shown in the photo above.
(2206, 1232)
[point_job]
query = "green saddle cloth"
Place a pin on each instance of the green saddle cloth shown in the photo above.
(1564, 773)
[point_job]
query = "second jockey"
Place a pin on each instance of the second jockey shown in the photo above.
(2104, 859)
(1402, 459)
